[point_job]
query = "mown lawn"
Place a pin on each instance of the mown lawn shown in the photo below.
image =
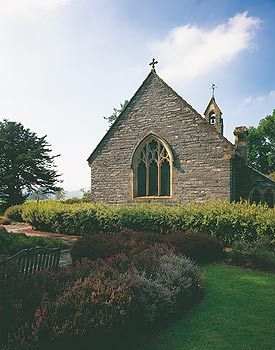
(238, 313)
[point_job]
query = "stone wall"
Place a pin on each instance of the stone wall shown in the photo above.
(202, 157)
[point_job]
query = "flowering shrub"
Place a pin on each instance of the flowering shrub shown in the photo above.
(198, 246)
(97, 301)
(96, 306)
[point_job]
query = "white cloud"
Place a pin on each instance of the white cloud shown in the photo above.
(261, 98)
(190, 51)
(11, 9)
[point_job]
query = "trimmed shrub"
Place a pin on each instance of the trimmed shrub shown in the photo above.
(228, 222)
(14, 213)
(198, 246)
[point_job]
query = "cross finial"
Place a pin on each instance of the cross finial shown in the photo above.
(153, 63)
(213, 87)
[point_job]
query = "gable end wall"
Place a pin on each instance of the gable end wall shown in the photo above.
(202, 164)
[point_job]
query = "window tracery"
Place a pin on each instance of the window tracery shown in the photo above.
(152, 169)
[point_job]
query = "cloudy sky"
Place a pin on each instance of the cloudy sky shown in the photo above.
(64, 64)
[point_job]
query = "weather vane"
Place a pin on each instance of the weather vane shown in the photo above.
(153, 63)
(213, 87)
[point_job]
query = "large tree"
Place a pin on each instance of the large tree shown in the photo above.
(26, 163)
(261, 145)
(113, 117)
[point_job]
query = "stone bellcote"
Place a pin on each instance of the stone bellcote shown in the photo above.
(213, 115)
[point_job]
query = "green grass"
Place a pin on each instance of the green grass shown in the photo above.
(1, 213)
(238, 313)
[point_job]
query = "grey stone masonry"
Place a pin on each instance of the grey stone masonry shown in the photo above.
(205, 166)
(202, 156)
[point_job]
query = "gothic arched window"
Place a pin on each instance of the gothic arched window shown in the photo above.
(255, 196)
(268, 198)
(152, 165)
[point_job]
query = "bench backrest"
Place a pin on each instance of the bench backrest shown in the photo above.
(34, 259)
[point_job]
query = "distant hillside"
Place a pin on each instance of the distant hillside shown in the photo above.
(71, 194)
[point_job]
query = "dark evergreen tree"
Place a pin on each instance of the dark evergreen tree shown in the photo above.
(26, 163)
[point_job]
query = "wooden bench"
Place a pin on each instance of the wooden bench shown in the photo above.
(35, 259)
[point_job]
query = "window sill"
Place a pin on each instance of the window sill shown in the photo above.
(153, 197)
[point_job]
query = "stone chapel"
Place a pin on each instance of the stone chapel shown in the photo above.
(161, 149)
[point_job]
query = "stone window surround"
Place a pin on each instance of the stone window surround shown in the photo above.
(140, 145)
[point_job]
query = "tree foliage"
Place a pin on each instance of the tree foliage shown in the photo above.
(26, 163)
(261, 145)
(113, 117)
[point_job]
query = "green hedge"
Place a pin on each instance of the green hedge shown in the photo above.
(228, 222)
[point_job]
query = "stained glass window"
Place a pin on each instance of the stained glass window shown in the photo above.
(152, 170)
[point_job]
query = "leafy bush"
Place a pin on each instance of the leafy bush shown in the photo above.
(228, 222)
(14, 213)
(198, 246)
(259, 254)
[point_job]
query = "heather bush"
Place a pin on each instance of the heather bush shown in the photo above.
(24, 301)
(98, 246)
(198, 246)
(97, 306)
(157, 296)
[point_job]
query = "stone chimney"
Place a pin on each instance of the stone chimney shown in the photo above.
(240, 133)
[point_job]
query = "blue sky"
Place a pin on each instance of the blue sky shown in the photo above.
(64, 64)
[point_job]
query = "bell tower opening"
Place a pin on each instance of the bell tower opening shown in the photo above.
(213, 114)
